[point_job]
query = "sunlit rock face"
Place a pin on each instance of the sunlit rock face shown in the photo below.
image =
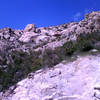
(73, 80)
(45, 63)
(30, 27)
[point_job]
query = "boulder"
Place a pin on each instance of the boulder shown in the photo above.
(30, 27)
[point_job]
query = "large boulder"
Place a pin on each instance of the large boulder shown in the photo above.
(30, 27)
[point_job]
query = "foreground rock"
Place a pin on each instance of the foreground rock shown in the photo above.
(26, 51)
(74, 80)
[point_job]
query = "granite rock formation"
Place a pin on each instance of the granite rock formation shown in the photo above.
(46, 63)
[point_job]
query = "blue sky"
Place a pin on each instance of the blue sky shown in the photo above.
(18, 13)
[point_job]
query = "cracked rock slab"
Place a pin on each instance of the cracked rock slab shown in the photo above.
(77, 80)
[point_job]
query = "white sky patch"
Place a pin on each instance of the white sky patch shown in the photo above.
(77, 16)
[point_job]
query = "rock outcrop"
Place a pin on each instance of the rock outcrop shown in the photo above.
(48, 50)
(77, 80)
(30, 28)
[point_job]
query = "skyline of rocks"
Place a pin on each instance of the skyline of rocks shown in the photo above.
(23, 52)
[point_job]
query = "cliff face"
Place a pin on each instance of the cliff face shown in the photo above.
(53, 51)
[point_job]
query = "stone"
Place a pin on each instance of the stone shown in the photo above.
(26, 36)
(71, 81)
(30, 27)
(94, 51)
(57, 62)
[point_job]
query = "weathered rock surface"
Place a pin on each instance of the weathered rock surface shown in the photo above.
(31, 49)
(30, 27)
(76, 80)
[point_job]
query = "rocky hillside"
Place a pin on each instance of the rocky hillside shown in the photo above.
(47, 63)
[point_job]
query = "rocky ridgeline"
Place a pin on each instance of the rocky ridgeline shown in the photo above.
(25, 51)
